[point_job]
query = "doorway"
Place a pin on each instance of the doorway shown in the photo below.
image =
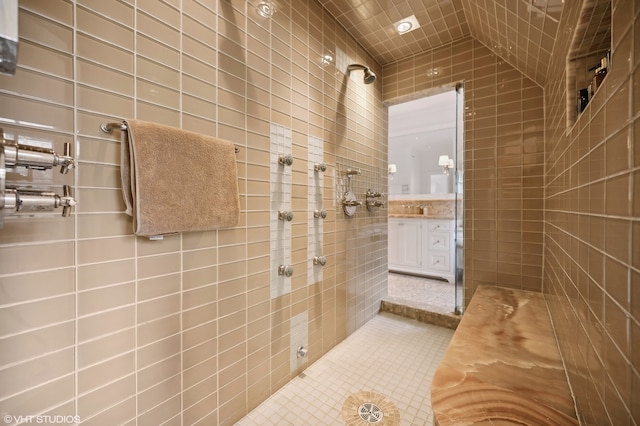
(425, 200)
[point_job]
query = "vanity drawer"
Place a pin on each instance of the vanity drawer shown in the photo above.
(438, 225)
(439, 241)
(438, 262)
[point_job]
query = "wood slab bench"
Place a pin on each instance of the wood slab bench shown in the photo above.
(503, 365)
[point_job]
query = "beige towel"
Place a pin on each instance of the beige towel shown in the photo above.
(174, 180)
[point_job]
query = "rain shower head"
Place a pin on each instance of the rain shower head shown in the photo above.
(369, 76)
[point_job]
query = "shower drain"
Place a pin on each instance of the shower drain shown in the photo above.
(367, 408)
(370, 413)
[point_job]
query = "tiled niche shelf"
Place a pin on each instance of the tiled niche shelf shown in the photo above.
(591, 43)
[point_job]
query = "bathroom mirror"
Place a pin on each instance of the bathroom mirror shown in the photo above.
(420, 132)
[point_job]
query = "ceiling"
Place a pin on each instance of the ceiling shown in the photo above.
(521, 32)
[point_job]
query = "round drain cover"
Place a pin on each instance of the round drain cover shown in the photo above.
(367, 408)
(370, 413)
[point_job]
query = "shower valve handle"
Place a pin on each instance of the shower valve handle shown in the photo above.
(285, 215)
(285, 160)
(320, 260)
(286, 270)
(320, 167)
(320, 214)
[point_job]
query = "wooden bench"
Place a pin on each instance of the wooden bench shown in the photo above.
(503, 365)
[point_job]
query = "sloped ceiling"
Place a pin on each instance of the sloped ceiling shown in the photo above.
(521, 32)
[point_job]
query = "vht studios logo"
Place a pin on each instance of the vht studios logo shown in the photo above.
(41, 420)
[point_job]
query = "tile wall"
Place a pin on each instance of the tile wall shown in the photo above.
(503, 158)
(592, 221)
(115, 329)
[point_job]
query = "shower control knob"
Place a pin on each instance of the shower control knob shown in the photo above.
(285, 215)
(320, 214)
(320, 167)
(285, 160)
(320, 260)
(286, 270)
(301, 352)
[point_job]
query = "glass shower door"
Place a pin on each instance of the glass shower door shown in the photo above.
(459, 208)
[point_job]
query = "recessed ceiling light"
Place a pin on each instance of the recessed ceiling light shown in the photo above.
(405, 25)
(266, 9)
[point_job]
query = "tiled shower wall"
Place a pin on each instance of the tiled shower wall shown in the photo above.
(115, 329)
(592, 219)
(503, 158)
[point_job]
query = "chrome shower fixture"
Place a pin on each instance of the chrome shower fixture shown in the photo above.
(369, 76)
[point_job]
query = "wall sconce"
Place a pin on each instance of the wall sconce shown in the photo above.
(393, 169)
(446, 163)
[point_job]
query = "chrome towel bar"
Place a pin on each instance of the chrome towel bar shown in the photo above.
(109, 127)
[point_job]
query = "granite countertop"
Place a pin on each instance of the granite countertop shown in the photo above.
(418, 216)
(503, 365)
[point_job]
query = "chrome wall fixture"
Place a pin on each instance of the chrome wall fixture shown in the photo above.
(28, 200)
(320, 167)
(301, 352)
(110, 127)
(353, 172)
(286, 270)
(320, 214)
(372, 199)
(285, 160)
(349, 203)
(285, 215)
(320, 260)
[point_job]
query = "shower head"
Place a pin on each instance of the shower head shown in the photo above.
(369, 76)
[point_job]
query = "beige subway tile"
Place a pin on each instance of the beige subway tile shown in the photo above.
(104, 249)
(99, 175)
(104, 102)
(197, 335)
(91, 74)
(34, 343)
(104, 348)
(43, 115)
(158, 350)
(152, 375)
(99, 374)
(201, 370)
(157, 330)
(122, 413)
(160, 402)
(99, 200)
(94, 301)
(22, 317)
(199, 277)
(157, 94)
(168, 410)
(28, 286)
(203, 410)
(198, 354)
(104, 53)
(102, 28)
(41, 398)
(198, 316)
(104, 323)
(44, 31)
(158, 265)
(31, 373)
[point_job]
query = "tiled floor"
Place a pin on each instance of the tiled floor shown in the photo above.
(423, 293)
(393, 357)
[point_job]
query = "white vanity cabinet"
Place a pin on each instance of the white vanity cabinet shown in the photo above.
(422, 246)
(405, 243)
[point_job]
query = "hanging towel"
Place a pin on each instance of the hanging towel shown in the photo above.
(8, 36)
(174, 180)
